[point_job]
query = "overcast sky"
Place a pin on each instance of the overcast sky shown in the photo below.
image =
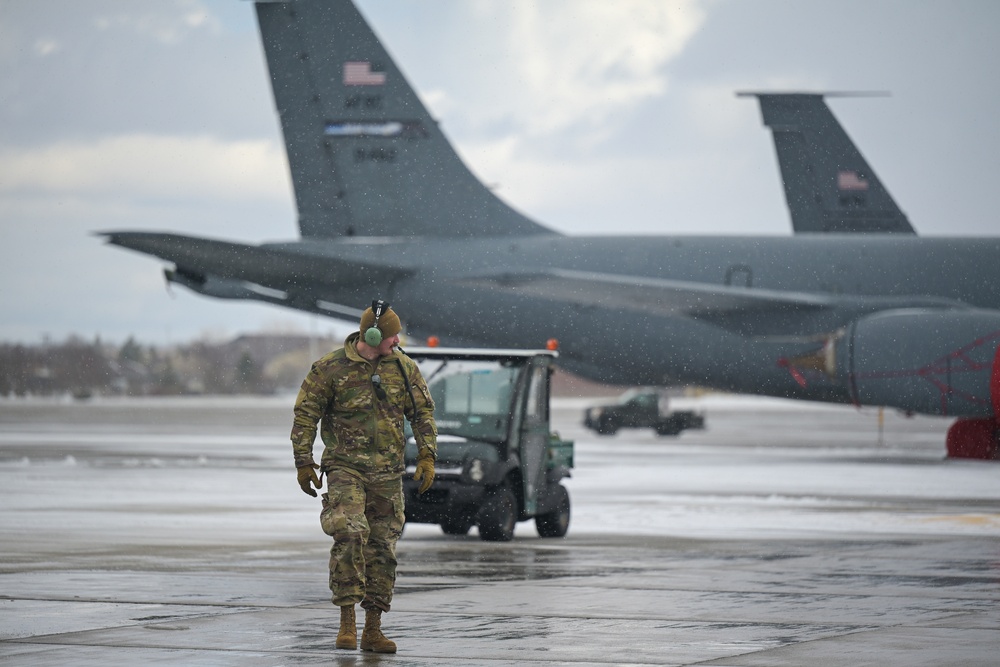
(592, 117)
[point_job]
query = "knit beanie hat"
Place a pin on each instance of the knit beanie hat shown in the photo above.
(388, 324)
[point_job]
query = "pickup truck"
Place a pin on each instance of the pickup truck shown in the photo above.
(643, 407)
(498, 460)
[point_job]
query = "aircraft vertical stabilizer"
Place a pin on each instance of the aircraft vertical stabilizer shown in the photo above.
(366, 157)
(829, 186)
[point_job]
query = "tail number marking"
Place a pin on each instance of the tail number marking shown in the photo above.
(377, 155)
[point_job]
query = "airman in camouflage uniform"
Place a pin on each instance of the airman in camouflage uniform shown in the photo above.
(359, 395)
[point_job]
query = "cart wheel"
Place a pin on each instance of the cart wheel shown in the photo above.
(498, 516)
(555, 523)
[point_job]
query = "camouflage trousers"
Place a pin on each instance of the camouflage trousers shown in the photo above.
(364, 515)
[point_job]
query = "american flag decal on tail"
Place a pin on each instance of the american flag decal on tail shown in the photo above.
(849, 180)
(359, 73)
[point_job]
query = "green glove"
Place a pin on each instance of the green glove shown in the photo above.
(425, 472)
(307, 476)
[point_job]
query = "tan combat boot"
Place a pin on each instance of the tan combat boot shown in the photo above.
(372, 638)
(348, 635)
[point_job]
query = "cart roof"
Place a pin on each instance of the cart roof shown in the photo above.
(475, 353)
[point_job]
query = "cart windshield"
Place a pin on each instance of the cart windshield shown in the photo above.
(472, 398)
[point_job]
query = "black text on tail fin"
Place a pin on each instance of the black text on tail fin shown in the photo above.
(366, 157)
(829, 186)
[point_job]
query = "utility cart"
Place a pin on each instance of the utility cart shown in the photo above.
(498, 461)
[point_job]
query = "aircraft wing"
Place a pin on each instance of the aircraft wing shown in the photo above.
(748, 311)
(651, 295)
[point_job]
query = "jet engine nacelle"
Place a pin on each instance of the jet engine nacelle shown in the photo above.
(943, 362)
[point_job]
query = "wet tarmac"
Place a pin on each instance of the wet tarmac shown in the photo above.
(172, 532)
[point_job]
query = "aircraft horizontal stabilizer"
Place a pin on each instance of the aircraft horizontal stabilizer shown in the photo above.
(285, 267)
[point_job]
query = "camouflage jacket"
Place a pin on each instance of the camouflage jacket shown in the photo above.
(358, 429)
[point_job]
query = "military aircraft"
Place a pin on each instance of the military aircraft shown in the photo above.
(854, 308)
